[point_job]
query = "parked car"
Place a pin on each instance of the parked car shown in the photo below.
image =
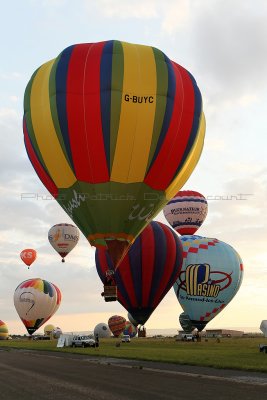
(126, 338)
(82, 341)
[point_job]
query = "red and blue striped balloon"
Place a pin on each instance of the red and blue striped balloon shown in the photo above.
(148, 270)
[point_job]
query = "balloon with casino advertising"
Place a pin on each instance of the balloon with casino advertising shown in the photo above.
(211, 275)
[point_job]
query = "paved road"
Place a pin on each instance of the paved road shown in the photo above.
(28, 375)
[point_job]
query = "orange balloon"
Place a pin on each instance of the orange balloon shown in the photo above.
(28, 256)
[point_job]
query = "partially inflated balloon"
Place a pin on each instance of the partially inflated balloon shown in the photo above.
(186, 212)
(186, 323)
(147, 272)
(116, 324)
(3, 331)
(48, 329)
(211, 275)
(36, 300)
(130, 329)
(132, 320)
(28, 256)
(63, 238)
(113, 131)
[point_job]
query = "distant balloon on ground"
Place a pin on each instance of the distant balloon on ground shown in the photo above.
(117, 324)
(263, 327)
(130, 329)
(56, 332)
(186, 212)
(36, 300)
(28, 256)
(211, 275)
(63, 238)
(102, 330)
(3, 331)
(48, 329)
(186, 323)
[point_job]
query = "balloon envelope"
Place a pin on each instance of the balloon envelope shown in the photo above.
(116, 324)
(132, 320)
(63, 238)
(48, 329)
(36, 300)
(130, 329)
(147, 272)
(3, 331)
(113, 130)
(186, 323)
(186, 212)
(211, 275)
(28, 256)
(102, 330)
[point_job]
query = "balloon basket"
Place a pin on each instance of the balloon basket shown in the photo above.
(110, 293)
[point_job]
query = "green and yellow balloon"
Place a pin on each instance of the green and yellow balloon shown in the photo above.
(113, 130)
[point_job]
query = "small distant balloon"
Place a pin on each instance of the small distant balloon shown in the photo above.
(130, 329)
(28, 256)
(117, 324)
(36, 300)
(63, 238)
(186, 212)
(3, 331)
(48, 329)
(102, 330)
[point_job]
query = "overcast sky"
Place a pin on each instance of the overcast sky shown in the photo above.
(223, 44)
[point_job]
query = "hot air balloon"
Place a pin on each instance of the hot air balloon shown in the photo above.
(3, 331)
(28, 256)
(36, 300)
(56, 333)
(117, 324)
(113, 131)
(186, 323)
(147, 272)
(102, 330)
(63, 238)
(186, 212)
(211, 275)
(130, 329)
(48, 329)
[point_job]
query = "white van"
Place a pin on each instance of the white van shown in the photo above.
(126, 338)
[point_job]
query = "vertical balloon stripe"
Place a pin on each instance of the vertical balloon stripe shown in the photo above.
(161, 174)
(105, 95)
(166, 87)
(116, 96)
(137, 114)
(123, 292)
(58, 93)
(169, 265)
(196, 119)
(161, 251)
(148, 258)
(128, 278)
(83, 109)
(44, 177)
(28, 119)
(136, 258)
(92, 116)
(44, 130)
(191, 161)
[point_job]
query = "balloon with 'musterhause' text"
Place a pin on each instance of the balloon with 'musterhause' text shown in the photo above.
(211, 275)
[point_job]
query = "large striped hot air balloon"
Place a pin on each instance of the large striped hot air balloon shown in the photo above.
(3, 331)
(147, 272)
(113, 131)
(211, 275)
(36, 300)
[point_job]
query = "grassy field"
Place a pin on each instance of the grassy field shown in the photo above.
(240, 353)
